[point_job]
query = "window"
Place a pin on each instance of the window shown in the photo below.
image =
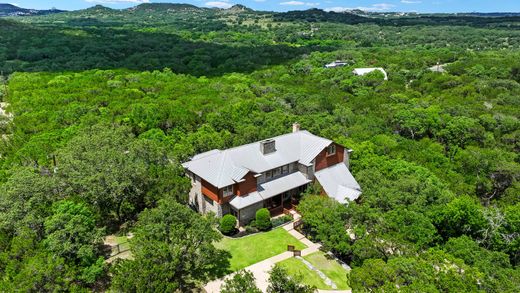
(276, 172)
(331, 150)
(285, 169)
(227, 191)
(269, 174)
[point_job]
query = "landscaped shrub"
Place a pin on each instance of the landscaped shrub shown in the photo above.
(263, 219)
(281, 220)
(228, 224)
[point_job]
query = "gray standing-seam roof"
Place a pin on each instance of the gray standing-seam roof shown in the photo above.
(269, 189)
(282, 184)
(226, 167)
(338, 183)
(240, 202)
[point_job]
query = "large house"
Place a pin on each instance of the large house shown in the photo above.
(270, 173)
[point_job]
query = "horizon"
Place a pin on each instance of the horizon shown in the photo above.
(418, 6)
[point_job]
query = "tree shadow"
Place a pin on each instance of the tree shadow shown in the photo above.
(66, 48)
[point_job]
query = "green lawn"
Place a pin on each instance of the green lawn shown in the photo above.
(329, 267)
(123, 243)
(248, 250)
(296, 267)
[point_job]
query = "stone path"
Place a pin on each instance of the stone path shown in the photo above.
(325, 279)
(261, 269)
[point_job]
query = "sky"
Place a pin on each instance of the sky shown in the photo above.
(285, 5)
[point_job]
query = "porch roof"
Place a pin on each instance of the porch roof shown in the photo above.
(240, 202)
(270, 189)
(282, 184)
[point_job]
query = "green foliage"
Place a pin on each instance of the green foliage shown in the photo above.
(242, 282)
(109, 141)
(462, 216)
(181, 241)
(228, 224)
(280, 282)
(263, 219)
(72, 234)
(432, 271)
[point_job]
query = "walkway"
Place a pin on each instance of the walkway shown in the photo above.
(261, 269)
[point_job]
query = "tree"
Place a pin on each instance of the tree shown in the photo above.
(280, 282)
(462, 216)
(228, 224)
(116, 173)
(72, 233)
(173, 250)
(242, 282)
(263, 219)
(325, 220)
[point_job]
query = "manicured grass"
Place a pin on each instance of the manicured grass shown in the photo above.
(249, 250)
(123, 243)
(329, 267)
(296, 267)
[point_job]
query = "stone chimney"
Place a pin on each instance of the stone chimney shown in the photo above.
(296, 127)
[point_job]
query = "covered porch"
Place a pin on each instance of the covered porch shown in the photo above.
(278, 196)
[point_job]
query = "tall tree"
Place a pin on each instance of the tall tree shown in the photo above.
(173, 250)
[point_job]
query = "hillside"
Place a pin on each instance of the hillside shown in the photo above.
(12, 10)
(102, 106)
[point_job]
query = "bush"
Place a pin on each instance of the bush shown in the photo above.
(228, 224)
(263, 219)
(281, 220)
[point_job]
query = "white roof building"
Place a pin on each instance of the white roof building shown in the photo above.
(363, 71)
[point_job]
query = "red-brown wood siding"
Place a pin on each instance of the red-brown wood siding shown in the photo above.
(323, 161)
(210, 191)
(247, 186)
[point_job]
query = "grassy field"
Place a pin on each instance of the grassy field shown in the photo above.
(296, 267)
(329, 267)
(252, 249)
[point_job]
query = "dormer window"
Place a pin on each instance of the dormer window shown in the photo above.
(331, 150)
(227, 191)
(267, 146)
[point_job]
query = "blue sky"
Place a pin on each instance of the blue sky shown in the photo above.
(284, 5)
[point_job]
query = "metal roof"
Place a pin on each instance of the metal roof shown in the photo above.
(240, 202)
(363, 71)
(269, 189)
(225, 167)
(338, 183)
(282, 184)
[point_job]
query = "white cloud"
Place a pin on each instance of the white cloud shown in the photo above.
(299, 3)
(373, 7)
(117, 1)
(410, 1)
(294, 3)
(219, 4)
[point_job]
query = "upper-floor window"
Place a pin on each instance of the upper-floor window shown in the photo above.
(285, 169)
(269, 174)
(331, 150)
(227, 191)
(276, 171)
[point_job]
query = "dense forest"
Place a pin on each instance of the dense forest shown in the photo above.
(101, 107)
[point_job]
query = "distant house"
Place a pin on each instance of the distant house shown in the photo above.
(336, 63)
(438, 68)
(271, 173)
(363, 71)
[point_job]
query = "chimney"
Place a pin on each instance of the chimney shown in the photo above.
(295, 127)
(267, 146)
